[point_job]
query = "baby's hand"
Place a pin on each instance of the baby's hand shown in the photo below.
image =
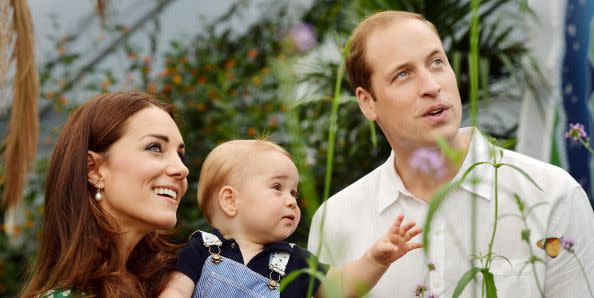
(396, 243)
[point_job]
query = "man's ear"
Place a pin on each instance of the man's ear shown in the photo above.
(366, 103)
(94, 161)
(228, 200)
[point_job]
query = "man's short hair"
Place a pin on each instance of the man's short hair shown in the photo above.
(357, 67)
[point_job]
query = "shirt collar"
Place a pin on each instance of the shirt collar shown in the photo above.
(274, 246)
(390, 187)
(479, 181)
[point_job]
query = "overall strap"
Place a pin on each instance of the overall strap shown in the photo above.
(210, 239)
(278, 263)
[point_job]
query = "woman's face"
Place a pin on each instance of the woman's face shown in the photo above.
(144, 177)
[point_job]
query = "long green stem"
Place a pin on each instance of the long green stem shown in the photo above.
(531, 256)
(489, 252)
(586, 145)
(584, 273)
(473, 72)
(333, 126)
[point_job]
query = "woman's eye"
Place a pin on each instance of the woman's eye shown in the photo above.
(155, 147)
(183, 158)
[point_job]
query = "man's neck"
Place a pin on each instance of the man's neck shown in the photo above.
(424, 184)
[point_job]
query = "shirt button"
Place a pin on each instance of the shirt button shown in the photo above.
(232, 244)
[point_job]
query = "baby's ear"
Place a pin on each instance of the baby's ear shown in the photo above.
(228, 201)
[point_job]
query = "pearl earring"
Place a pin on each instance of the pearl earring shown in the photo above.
(98, 195)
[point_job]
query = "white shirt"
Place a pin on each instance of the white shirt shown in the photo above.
(349, 222)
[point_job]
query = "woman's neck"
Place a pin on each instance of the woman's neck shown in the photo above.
(127, 242)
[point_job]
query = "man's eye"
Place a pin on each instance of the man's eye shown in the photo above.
(438, 61)
(402, 74)
(155, 147)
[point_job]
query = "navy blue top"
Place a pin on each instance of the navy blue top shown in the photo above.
(191, 258)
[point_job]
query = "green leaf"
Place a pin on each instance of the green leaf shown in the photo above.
(463, 282)
(436, 201)
(526, 235)
(489, 282)
(523, 173)
(519, 202)
(438, 198)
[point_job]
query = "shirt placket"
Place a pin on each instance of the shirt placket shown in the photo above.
(437, 255)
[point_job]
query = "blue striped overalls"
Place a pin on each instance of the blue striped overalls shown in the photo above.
(223, 277)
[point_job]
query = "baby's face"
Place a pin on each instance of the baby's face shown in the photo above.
(267, 197)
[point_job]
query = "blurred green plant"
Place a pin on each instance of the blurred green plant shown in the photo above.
(227, 85)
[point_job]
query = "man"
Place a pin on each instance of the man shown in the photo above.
(403, 81)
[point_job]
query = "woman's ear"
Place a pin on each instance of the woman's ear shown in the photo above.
(228, 201)
(94, 161)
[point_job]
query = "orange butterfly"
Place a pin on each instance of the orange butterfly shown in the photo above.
(552, 246)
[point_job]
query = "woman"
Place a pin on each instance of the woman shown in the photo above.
(115, 179)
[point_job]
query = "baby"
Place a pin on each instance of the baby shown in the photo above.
(248, 192)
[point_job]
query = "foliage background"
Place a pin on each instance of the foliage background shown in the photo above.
(247, 86)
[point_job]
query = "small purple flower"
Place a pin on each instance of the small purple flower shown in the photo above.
(304, 36)
(420, 290)
(431, 295)
(576, 132)
(567, 244)
(429, 161)
(432, 266)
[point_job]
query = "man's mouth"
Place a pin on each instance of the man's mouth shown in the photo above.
(434, 110)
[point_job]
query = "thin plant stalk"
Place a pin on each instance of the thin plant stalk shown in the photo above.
(473, 72)
(332, 127)
(584, 273)
(586, 145)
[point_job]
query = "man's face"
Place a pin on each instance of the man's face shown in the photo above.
(415, 89)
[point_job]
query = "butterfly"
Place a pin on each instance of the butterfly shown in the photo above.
(552, 246)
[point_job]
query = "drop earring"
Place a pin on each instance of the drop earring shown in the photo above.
(98, 195)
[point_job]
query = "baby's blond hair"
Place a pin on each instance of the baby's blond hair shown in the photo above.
(224, 165)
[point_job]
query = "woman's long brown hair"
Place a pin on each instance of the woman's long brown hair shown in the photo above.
(78, 247)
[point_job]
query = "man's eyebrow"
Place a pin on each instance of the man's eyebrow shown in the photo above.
(435, 52)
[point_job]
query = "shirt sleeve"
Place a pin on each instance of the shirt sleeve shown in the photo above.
(191, 258)
(572, 274)
(317, 237)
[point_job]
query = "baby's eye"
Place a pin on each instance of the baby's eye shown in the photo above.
(294, 194)
(155, 147)
(276, 186)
